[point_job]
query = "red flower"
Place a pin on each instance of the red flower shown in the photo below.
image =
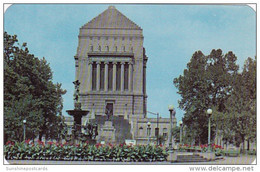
(27, 141)
(50, 143)
(160, 145)
(9, 143)
(110, 145)
(98, 145)
(40, 143)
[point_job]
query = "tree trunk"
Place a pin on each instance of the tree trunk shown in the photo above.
(40, 136)
(243, 143)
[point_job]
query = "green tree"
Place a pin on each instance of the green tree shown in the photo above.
(206, 83)
(29, 92)
(242, 105)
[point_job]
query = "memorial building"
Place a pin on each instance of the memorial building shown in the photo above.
(111, 66)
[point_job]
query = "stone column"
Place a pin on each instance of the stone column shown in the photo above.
(90, 63)
(98, 75)
(130, 74)
(122, 76)
(114, 76)
(106, 76)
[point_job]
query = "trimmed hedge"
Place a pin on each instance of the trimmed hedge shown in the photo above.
(83, 152)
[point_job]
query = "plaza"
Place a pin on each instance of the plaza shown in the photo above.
(111, 122)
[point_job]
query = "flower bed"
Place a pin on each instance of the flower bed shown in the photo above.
(82, 152)
(202, 148)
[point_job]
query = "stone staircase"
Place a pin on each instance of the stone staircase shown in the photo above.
(122, 126)
(190, 158)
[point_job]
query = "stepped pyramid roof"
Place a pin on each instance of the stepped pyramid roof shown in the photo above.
(111, 18)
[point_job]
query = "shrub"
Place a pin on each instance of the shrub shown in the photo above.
(83, 152)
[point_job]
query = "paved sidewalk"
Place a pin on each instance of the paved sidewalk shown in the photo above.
(242, 159)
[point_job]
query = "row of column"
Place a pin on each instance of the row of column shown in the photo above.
(130, 74)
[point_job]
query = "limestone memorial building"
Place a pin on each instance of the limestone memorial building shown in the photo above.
(111, 66)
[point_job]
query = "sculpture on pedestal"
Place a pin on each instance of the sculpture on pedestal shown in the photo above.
(77, 113)
(108, 112)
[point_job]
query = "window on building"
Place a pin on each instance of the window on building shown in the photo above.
(156, 131)
(107, 48)
(99, 48)
(91, 48)
(165, 132)
(110, 76)
(94, 76)
(115, 48)
(102, 74)
(141, 131)
(118, 76)
(123, 48)
(126, 76)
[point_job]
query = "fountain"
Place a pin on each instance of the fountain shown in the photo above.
(77, 113)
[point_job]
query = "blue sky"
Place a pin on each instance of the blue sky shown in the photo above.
(172, 33)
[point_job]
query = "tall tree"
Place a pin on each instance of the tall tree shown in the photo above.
(29, 92)
(206, 83)
(242, 105)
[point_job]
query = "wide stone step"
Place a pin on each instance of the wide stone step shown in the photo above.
(190, 158)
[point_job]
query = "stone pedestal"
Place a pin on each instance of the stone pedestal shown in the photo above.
(107, 132)
(210, 156)
(172, 157)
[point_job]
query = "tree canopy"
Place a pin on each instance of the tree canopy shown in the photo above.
(214, 81)
(29, 93)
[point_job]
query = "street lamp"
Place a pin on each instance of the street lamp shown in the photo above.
(157, 126)
(24, 122)
(172, 114)
(148, 131)
(209, 112)
(180, 123)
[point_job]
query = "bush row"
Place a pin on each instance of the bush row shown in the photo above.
(83, 152)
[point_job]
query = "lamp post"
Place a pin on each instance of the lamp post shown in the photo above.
(148, 131)
(172, 113)
(157, 126)
(24, 123)
(209, 112)
(180, 123)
